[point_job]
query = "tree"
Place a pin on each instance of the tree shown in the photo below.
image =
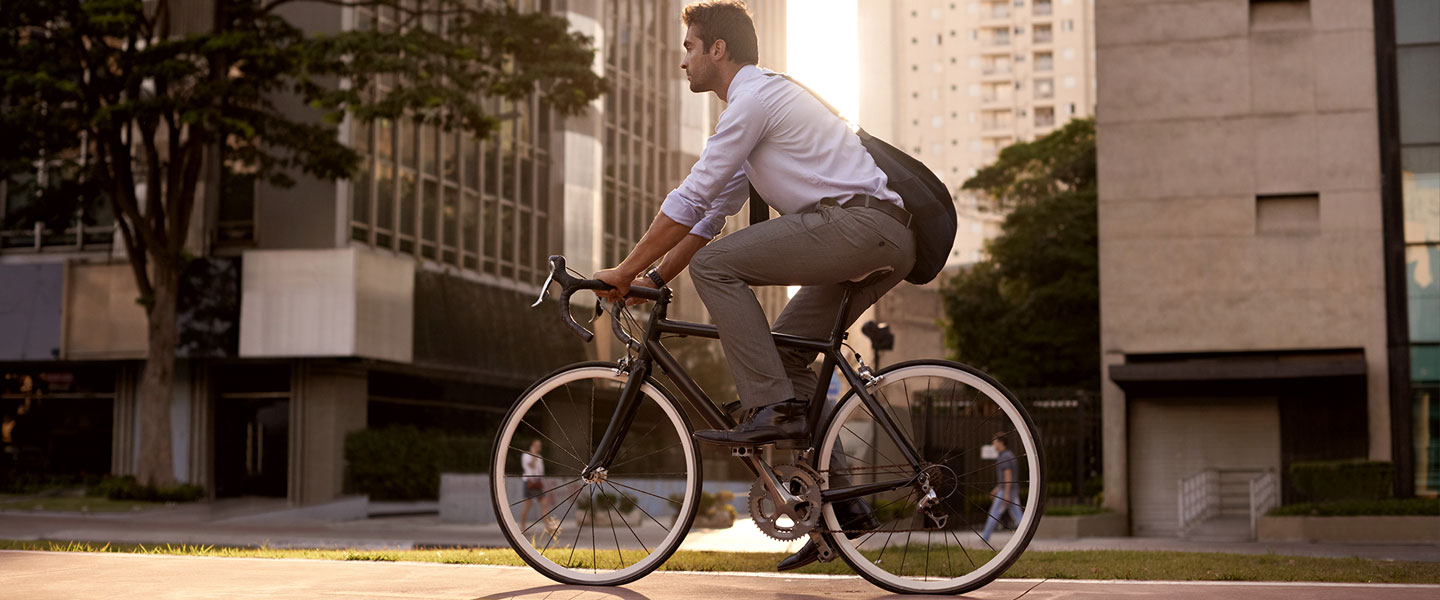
(126, 102)
(1029, 314)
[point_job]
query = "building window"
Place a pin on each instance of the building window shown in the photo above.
(1044, 89)
(1067, 25)
(450, 198)
(1417, 59)
(1043, 8)
(1044, 34)
(1044, 61)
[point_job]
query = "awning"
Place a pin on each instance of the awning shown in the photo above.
(1239, 366)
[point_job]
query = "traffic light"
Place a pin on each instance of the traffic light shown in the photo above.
(881, 338)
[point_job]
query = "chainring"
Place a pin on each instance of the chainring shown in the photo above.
(802, 481)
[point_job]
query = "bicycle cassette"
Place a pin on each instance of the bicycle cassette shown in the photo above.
(782, 522)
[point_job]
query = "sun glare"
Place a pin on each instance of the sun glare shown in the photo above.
(820, 50)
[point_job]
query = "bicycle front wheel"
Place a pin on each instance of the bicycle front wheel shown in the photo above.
(605, 530)
(953, 415)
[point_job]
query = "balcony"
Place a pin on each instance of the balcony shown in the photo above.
(1044, 36)
(1043, 9)
(995, 124)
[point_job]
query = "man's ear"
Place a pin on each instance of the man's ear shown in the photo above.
(718, 50)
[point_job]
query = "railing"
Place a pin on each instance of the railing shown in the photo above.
(38, 237)
(1044, 38)
(996, 70)
(1043, 9)
(1264, 495)
(1199, 495)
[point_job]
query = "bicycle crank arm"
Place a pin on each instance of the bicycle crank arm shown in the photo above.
(782, 496)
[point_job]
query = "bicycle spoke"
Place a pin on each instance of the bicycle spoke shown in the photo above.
(542, 517)
(547, 438)
(522, 451)
(528, 498)
(563, 431)
(556, 533)
(616, 535)
(616, 466)
(632, 529)
(643, 492)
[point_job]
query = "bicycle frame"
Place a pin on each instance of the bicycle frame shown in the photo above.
(651, 352)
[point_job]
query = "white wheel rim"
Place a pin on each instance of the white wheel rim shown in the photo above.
(498, 487)
(1012, 547)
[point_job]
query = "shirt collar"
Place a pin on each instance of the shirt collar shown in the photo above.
(742, 77)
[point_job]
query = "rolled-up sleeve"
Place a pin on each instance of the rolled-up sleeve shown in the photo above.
(731, 199)
(711, 186)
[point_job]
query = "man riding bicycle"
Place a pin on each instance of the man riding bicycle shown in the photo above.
(840, 222)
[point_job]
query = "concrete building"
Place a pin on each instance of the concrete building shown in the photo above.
(397, 297)
(1269, 185)
(954, 82)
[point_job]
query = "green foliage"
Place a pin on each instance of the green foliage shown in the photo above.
(1074, 510)
(405, 463)
(711, 505)
(128, 488)
(1353, 508)
(606, 501)
(1029, 314)
(1329, 481)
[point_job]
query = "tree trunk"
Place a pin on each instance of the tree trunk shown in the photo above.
(157, 463)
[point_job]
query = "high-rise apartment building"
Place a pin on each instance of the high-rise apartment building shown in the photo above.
(954, 82)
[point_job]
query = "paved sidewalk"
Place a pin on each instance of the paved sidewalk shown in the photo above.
(65, 575)
(264, 522)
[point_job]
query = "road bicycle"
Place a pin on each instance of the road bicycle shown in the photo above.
(622, 474)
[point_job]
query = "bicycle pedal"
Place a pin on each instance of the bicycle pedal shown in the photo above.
(744, 451)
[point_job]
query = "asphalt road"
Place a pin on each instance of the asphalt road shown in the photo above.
(44, 575)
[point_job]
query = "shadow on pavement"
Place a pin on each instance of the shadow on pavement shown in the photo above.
(587, 592)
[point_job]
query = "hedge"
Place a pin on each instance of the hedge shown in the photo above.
(1355, 508)
(1332, 481)
(405, 463)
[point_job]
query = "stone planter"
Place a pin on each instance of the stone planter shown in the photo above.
(1376, 529)
(1071, 527)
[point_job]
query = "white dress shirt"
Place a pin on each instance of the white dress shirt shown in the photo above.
(776, 136)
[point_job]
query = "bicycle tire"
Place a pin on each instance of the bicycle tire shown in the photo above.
(672, 425)
(971, 395)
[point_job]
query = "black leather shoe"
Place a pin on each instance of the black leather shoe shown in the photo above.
(857, 518)
(779, 421)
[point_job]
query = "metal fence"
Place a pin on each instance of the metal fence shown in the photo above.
(1069, 424)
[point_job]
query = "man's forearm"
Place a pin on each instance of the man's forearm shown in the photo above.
(679, 256)
(664, 233)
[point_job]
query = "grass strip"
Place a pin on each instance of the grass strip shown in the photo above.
(1090, 564)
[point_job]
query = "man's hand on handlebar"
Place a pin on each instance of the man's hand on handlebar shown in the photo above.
(620, 282)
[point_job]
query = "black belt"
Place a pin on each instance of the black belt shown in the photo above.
(866, 201)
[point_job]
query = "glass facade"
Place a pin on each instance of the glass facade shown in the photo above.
(641, 166)
(481, 205)
(1417, 57)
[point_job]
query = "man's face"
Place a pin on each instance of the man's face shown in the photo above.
(699, 67)
(999, 445)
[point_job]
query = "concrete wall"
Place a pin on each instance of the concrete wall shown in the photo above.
(102, 318)
(1204, 106)
(328, 402)
(343, 302)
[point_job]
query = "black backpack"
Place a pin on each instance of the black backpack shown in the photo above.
(933, 212)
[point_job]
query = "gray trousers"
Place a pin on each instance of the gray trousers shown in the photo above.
(818, 250)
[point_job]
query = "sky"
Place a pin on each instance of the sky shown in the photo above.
(820, 50)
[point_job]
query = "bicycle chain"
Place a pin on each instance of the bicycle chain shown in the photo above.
(877, 468)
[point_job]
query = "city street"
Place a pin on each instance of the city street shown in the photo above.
(43, 575)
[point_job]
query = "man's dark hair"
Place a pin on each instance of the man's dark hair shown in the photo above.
(727, 20)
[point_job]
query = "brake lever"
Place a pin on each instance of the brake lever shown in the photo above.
(599, 310)
(545, 288)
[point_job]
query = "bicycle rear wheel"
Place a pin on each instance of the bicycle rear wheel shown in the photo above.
(606, 530)
(951, 413)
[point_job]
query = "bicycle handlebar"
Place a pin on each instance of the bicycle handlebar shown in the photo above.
(569, 284)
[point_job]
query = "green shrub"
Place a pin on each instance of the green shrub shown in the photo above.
(623, 503)
(1073, 510)
(405, 463)
(1329, 481)
(128, 488)
(1355, 508)
(710, 504)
